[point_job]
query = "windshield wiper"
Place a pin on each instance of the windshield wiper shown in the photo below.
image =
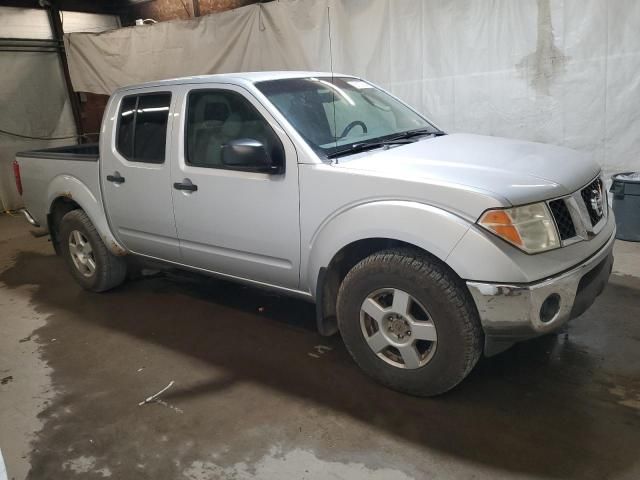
(400, 139)
(364, 146)
(419, 131)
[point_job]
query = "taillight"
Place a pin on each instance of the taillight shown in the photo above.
(16, 174)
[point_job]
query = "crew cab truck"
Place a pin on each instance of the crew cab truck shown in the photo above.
(423, 249)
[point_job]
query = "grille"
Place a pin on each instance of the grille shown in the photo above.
(592, 194)
(563, 219)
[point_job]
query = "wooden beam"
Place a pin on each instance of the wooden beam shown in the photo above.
(58, 36)
(114, 7)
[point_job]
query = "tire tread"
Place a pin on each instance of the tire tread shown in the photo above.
(423, 266)
(111, 270)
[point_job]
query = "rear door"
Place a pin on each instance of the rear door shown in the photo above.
(136, 176)
(239, 223)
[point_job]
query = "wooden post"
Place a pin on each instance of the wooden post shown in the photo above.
(58, 36)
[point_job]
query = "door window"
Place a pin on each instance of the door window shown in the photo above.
(142, 127)
(215, 117)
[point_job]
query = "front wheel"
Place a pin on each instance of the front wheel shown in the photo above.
(93, 266)
(408, 322)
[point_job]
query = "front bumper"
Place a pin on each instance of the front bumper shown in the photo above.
(510, 313)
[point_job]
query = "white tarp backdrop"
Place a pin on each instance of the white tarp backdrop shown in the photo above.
(558, 71)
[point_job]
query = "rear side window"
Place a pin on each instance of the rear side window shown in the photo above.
(142, 127)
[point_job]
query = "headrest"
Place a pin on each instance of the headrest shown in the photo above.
(233, 126)
(216, 111)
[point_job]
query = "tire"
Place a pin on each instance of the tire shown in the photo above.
(108, 272)
(433, 345)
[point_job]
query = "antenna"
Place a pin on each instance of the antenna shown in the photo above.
(333, 92)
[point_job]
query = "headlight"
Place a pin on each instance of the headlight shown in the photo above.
(530, 227)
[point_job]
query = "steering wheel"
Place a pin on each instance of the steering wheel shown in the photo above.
(355, 123)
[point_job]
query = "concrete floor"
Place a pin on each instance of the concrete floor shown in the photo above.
(258, 394)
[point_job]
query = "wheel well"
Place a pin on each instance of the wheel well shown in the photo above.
(331, 277)
(59, 208)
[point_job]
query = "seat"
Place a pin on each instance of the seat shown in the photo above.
(230, 130)
(221, 123)
(209, 116)
(307, 115)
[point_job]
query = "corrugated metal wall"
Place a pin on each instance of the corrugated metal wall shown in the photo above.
(33, 96)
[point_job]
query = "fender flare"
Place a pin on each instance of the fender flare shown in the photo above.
(71, 188)
(429, 228)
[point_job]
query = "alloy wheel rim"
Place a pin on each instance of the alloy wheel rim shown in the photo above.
(82, 253)
(398, 328)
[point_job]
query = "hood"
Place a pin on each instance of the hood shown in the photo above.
(517, 171)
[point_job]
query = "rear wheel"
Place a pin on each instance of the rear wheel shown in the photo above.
(91, 263)
(408, 322)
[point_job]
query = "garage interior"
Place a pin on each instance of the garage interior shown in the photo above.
(254, 391)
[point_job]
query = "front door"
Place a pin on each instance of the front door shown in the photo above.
(136, 175)
(229, 220)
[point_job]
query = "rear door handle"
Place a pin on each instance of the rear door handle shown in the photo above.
(185, 185)
(115, 178)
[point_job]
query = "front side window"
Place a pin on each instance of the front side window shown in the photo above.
(334, 113)
(142, 127)
(215, 117)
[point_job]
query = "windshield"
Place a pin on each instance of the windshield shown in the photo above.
(332, 114)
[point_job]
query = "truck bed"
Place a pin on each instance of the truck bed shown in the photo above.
(84, 152)
(46, 174)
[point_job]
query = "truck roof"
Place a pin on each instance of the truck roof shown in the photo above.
(241, 77)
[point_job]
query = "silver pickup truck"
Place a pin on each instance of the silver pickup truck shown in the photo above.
(422, 249)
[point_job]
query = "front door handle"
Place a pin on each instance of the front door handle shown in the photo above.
(185, 185)
(115, 178)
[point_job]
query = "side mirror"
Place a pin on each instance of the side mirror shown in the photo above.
(248, 154)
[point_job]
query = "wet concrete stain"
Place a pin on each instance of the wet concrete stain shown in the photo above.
(559, 406)
(277, 465)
